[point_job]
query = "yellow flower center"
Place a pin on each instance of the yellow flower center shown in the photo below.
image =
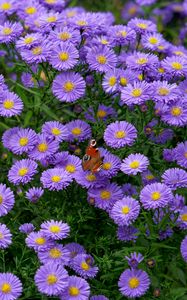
(55, 178)
(149, 177)
(7, 30)
(70, 168)
(50, 1)
(163, 92)
(71, 14)
(161, 70)
(23, 171)
(125, 210)
(160, 47)
(85, 266)
(56, 131)
(101, 59)
(91, 177)
(180, 53)
(153, 40)
(42, 147)
(6, 288)
(68, 86)
(185, 155)
(112, 81)
(184, 217)
(37, 50)
(81, 23)
(101, 113)
(76, 131)
(28, 40)
(54, 228)
(142, 60)
(142, 25)
(120, 134)
(55, 253)
(74, 291)
(64, 36)
(134, 282)
(51, 19)
(105, 195)
(40, 241)
(23, 141)
(63, 56)
(140, 77)
(51, 279)
(1, 199)
(8, 104)
(134, 164)
(132, 10)
(104, 42)
(136, 93)
(123, 81)
(107, 166)
(122, 33)
(177, 66)
(30, 10)
(155, 196)
(6, 6)
(176, 111)
(1, 236)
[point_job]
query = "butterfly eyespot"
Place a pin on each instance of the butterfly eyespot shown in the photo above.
(86, 157)
(93, 143)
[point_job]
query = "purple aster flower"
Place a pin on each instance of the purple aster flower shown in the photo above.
(175, 65)
(6, 199)
(55, 129)
(125, 211)
(38, 241)
(26, 228)
(101, 59)
(37, 54)
(99, 297)
(29, 41)
(152, 40)
(78, 130)
(73, 165)
(55, 230)
(168, 155)
(126, 76)
(23, 141)
(127, 233)
(51, 279)
(83, 264)
(134, 259)
(134, 163)
(177, 203)
(164, 92)
(120, 134)
(55, 179)
(64, 57)
(136, 93)
(148, 177)
(34, 194)
(22, 171)
(65, 34)
(121, 35)
(31, 8)
(175, 178)
(7, 7)
(145, 2)
(10, 104)
(129, 189)
(28, 80)
(5, 237)
(10, 286)
(180, 154)
(59, 159)
(133, 283)
(140, 61)
(175, 114)
(182, 218)
(50, 19)
(142, 26)
(10, 31)
(164, 234)
(183, 248)
(110, 81)
(78, 289)
(89, 180)
(57, 254)
(155, 195)
(68, 86)
(131, 10)
(111, 164)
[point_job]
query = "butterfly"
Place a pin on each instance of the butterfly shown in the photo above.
(92, 160)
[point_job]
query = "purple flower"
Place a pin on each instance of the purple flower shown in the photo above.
(55, 179)
(50, 19)
(168, 155)
(127, 233)
(134, 259)
(57, 254)
(34, 194)
(22, 171)
(129, 189)
(29, 41)
(133, 283)
(6, 199)
(177, 203)
(10, 104)
(111, 164)
(148, 177)
(89, 180)
(83, 264)
(121, 35)
(10, 286)
(23, 141)
(55, 230)
(78, 289)
(164, 92)
(125, 211)
(10, 31)
(65, 34)
(55, 129)
(5, 237)
(140, 61)
(26, 228)
(99, 297)
(175, 113)
(182, 218)
(175, 65)
(38, 241)
(78, 130)
(7, 7)
(152, 40)
(68, 86)
(142, 26)
(136, 93)
(180, 154)
(120, 134)
(110, 81)
(51, 279)
(183, 248)
(37, 54)
(155, 195)
(72, 165)
(175, 178)
(134, 163)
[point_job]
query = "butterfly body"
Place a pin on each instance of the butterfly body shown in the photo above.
(92, 160)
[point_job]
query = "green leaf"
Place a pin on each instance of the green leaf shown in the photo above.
(27, 118)
(49, 112)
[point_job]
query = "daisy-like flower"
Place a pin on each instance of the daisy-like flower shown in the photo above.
(89, 180)
(73, 165)
(51, 279)
(148, 177)
(183, 248)
(7, 7)
(175, 178)
(83, 264)
(37, 54)
(45, 147)
(164, 92)
(175, 113)
(57, 254)
(111, 164)
(10, 31)
(65, 34)
(136, 93)
(78, 130)
(125, 211)
(31, 8)
(29, 40)
(10, 286)
(111, 81)
(34, 194)
(8, 135)
(180, 154)
(177, 203)
(23, 141)
(134, 259)
(78, 289)
(182, 218)
(55, 179)
(49, 20)
(22, 171)
(55, 129)
(10, 104)
(155, 195)
(55, 230)
(99, 297)
(134, 164)
(26, 228)
(121, 35)
(127, 233)
(5, 237)
(106, 196)
(38, 241)
(68, 86)
(142, 26)
(175, 65)
(6, 199)
(28, 80)
(140, 61)
(152, 40)
(120, 134)
(133, 283)
(59, 159)
(75, 249)
(64, 57)
(101, 59)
